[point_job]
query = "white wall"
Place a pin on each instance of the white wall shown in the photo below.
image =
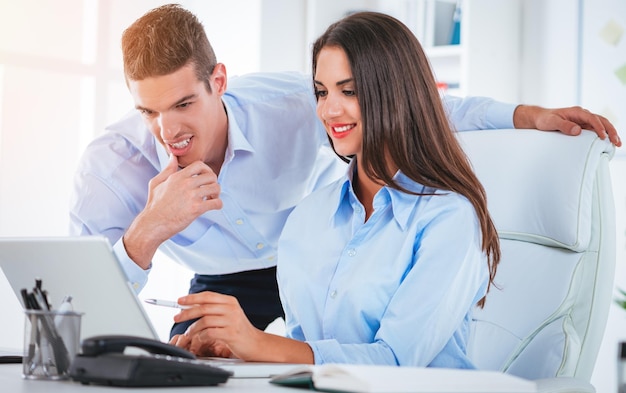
(282, 36)
(549, 70)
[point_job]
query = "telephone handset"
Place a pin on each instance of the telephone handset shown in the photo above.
(103, 361)
(98, 345)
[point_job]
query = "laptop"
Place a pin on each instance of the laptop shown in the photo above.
(86, 268)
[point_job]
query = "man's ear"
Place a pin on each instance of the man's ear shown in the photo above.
(219, 79)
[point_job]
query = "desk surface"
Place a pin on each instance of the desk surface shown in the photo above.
(11, 381)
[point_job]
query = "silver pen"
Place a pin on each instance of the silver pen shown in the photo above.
(165, 303)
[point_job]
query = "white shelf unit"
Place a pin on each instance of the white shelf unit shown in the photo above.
(485, 63)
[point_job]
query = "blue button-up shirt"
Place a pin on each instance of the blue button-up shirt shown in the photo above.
(396, 289)
(277, 154)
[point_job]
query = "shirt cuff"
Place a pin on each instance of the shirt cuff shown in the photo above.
(137, 276)
(499, 115)
(326, 351)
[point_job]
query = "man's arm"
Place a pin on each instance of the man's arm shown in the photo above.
(473, 113)
(478, 113)
(569, 121)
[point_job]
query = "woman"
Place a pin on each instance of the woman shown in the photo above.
(385, 265)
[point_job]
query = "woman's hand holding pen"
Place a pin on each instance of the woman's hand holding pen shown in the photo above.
(221, 330)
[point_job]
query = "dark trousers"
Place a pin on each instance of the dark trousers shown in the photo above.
(256, 291)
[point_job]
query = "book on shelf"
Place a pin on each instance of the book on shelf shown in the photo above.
(455, 33)
(392, 379)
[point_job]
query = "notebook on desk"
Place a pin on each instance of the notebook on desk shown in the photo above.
(87, 269)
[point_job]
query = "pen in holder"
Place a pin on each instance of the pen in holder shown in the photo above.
(49, 348)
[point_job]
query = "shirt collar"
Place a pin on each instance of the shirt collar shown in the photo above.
(344, 196)
(402, 203)
(236, 142)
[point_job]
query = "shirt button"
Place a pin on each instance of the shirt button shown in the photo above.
(259, 246)
(351, 252)
(358, 209)
(135, 285)
(271, 257)
(239, 221)
(333, 294)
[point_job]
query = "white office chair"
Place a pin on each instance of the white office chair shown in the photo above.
(551, 200)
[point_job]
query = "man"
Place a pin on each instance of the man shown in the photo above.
(209, 174)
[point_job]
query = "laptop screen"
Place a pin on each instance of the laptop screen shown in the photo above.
(84, 268)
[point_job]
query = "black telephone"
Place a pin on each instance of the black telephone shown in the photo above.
(104, 362)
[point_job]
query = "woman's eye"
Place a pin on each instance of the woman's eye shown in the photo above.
(320, 93)
(349, 93)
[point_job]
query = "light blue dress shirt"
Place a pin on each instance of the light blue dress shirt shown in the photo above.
(277, 154)
(397, 289)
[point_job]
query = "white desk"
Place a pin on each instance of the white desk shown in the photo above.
(11, 381)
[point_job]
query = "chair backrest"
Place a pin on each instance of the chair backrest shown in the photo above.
(551, 200)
